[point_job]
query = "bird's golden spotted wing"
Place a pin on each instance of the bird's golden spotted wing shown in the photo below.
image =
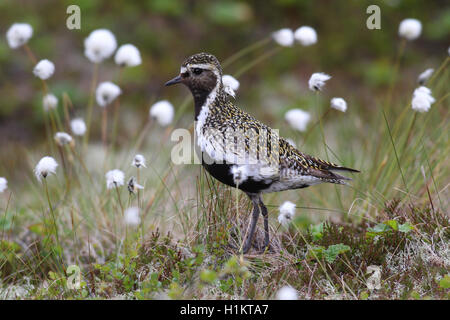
(254, 142)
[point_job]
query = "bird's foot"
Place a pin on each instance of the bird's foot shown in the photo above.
(263, 248)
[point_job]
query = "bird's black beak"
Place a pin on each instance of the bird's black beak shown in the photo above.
(173, 81)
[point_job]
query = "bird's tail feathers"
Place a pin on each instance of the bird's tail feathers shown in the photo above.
(340, 178)
(340, 168)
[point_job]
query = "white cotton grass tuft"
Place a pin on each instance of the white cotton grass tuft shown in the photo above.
(49, 102)
(78, 127)
(298, 119)
(19, 34)
(3, 184)
(99, 45)
(410, 29)
(317, 81)
(240, 174)
(424, 76)
(62, 138)
(423, 90)
(230, 84)
(163, 112)
(106, 93)
(131, 217)
(422, 99)
(306, 35)
(128, 56)
(44, 69)
(287, 212)
(284, 37)
(426, 92)
(339, 104)
(139, 161)
(46, 166)
(287, 293)
(114, 178)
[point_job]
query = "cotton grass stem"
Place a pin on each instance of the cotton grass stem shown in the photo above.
(65, 169)
(120, 200)
(322, 131)
(431, 174)
(6, 212)
(58, 122)
(116, 112)
(104, 126)
(138, 173)
(159, 188)
(142, 135)
(441, 68)
(389, 94)
(138, 191)
(54, 220)
(258, 60)
(48, 131)
(44, 87)
(245, 51)
(395, 71)
(396, 155)
(408, 136)
(83, 164)
(321, 125)
(443, 98)
(53, 123)
(90, 105)
(30, 54)
(321, 118)
(67, 104)
(397, 124)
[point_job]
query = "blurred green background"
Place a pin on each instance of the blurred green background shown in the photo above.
(167, 31)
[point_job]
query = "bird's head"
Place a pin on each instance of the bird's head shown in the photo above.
(200, 72)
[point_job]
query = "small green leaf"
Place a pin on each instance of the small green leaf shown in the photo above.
(208, 276)
(370, 234)
(364, 295)
(231, 263)
(316, 231)
(52, 275)
(334, 250)
(405, 228)
(380, 228)
(6, 223)
(392, 223)
(176, 291)
(37, 228)
(444, 283)
(9, 246)
(415, 295)
(315, 252)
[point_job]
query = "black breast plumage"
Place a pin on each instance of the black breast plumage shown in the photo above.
(222, 172)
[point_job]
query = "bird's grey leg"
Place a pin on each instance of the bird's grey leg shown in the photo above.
(255, 216)
(266, 222)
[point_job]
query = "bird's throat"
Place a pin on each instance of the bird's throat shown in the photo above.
(200, 97)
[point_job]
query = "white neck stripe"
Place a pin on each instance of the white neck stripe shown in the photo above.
(205, 110)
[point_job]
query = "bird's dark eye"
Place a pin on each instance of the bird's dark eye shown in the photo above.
(197, 71)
